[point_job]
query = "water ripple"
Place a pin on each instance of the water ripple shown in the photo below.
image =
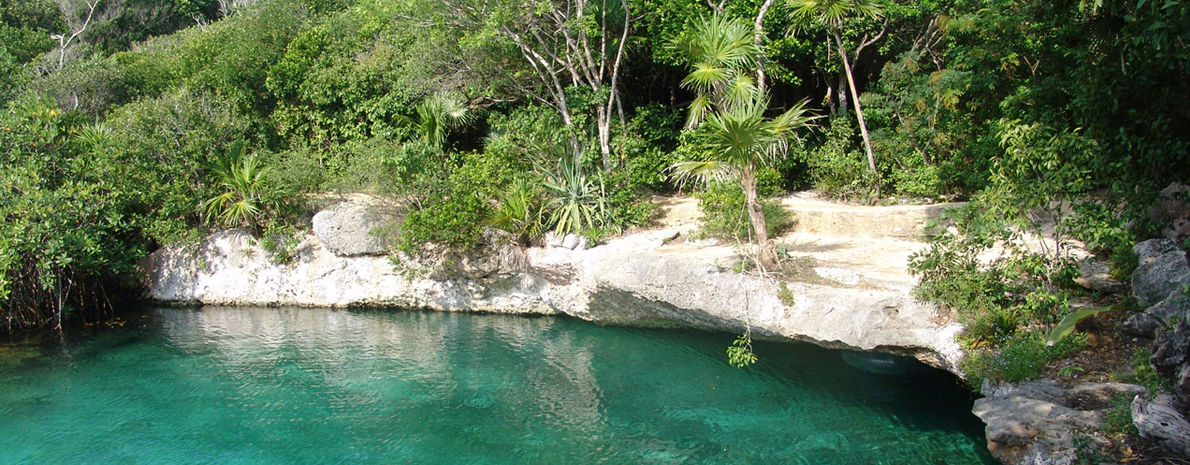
(296, 386)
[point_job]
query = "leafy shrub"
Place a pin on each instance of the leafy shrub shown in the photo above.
(1118, 418)
(243, 197)
(1022, 357)
(838, 168)
(527, 135)
(576, 201)
(646, 147)
(519, 212)
(66, 237)
(626, 202)
(990, 298)
(723, 210)
(1144, 374)
(299, 170)
(451, 209)
(739, 353)
(456, 220)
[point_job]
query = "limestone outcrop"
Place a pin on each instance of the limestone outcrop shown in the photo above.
(1161, 269)
(639, 279)
(356, 227)
(1038, 422)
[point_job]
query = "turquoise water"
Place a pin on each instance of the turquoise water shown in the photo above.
(297, 386)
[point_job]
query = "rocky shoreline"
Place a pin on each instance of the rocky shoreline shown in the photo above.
(654, 278)
(859, 299)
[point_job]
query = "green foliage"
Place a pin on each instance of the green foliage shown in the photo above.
(1022, 357)
(166, 143)
(456, 220)
(451, 210)
(925, 134)
(720, 53)
(576, 202)
(64, 234)
(739, 353)
(1025, 106)
(1144, 374)
(785, 295)
(991, 298)
(647, 145)
(1117, 420)
(280, 241)
(724, 214)
(232, 57)
(628, 204)
(1041, 171)
(837, 168)
(92, 86)
(519, 212)
(243, 196)
(440, 113)
(529, 135)
(26, 26)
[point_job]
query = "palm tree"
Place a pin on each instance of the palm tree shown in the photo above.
(833, 13)
(243, 197)
(438, 114)
(720, 50)
(729, 113)
(742, 140)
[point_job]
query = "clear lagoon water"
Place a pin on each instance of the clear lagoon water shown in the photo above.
(313, 386)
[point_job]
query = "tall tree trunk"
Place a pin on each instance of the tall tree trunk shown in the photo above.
(767, 251)
(841, 94)
(758, 39)
(859, 111)
(603, 123)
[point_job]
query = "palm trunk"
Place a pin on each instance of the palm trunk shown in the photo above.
(859, 112)
(767, 256)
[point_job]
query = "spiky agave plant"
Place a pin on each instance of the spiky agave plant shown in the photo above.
(576, 201)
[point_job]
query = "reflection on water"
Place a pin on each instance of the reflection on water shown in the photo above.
(235, 385)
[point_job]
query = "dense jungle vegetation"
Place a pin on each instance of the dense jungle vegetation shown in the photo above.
(129, 124)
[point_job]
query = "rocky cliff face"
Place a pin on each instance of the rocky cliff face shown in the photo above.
(637, 280)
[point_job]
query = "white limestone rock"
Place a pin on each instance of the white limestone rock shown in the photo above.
(630, 280)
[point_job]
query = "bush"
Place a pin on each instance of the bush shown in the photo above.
(1022, 357)
(451, 210)
(1118, 419)
(456, 221)
(165, 146)
(66, 238)
(520, 213)
(646, 147)
(527, 135)
(724, 214)
(839, 169)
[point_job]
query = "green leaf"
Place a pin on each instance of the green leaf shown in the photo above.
(1066, 326)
